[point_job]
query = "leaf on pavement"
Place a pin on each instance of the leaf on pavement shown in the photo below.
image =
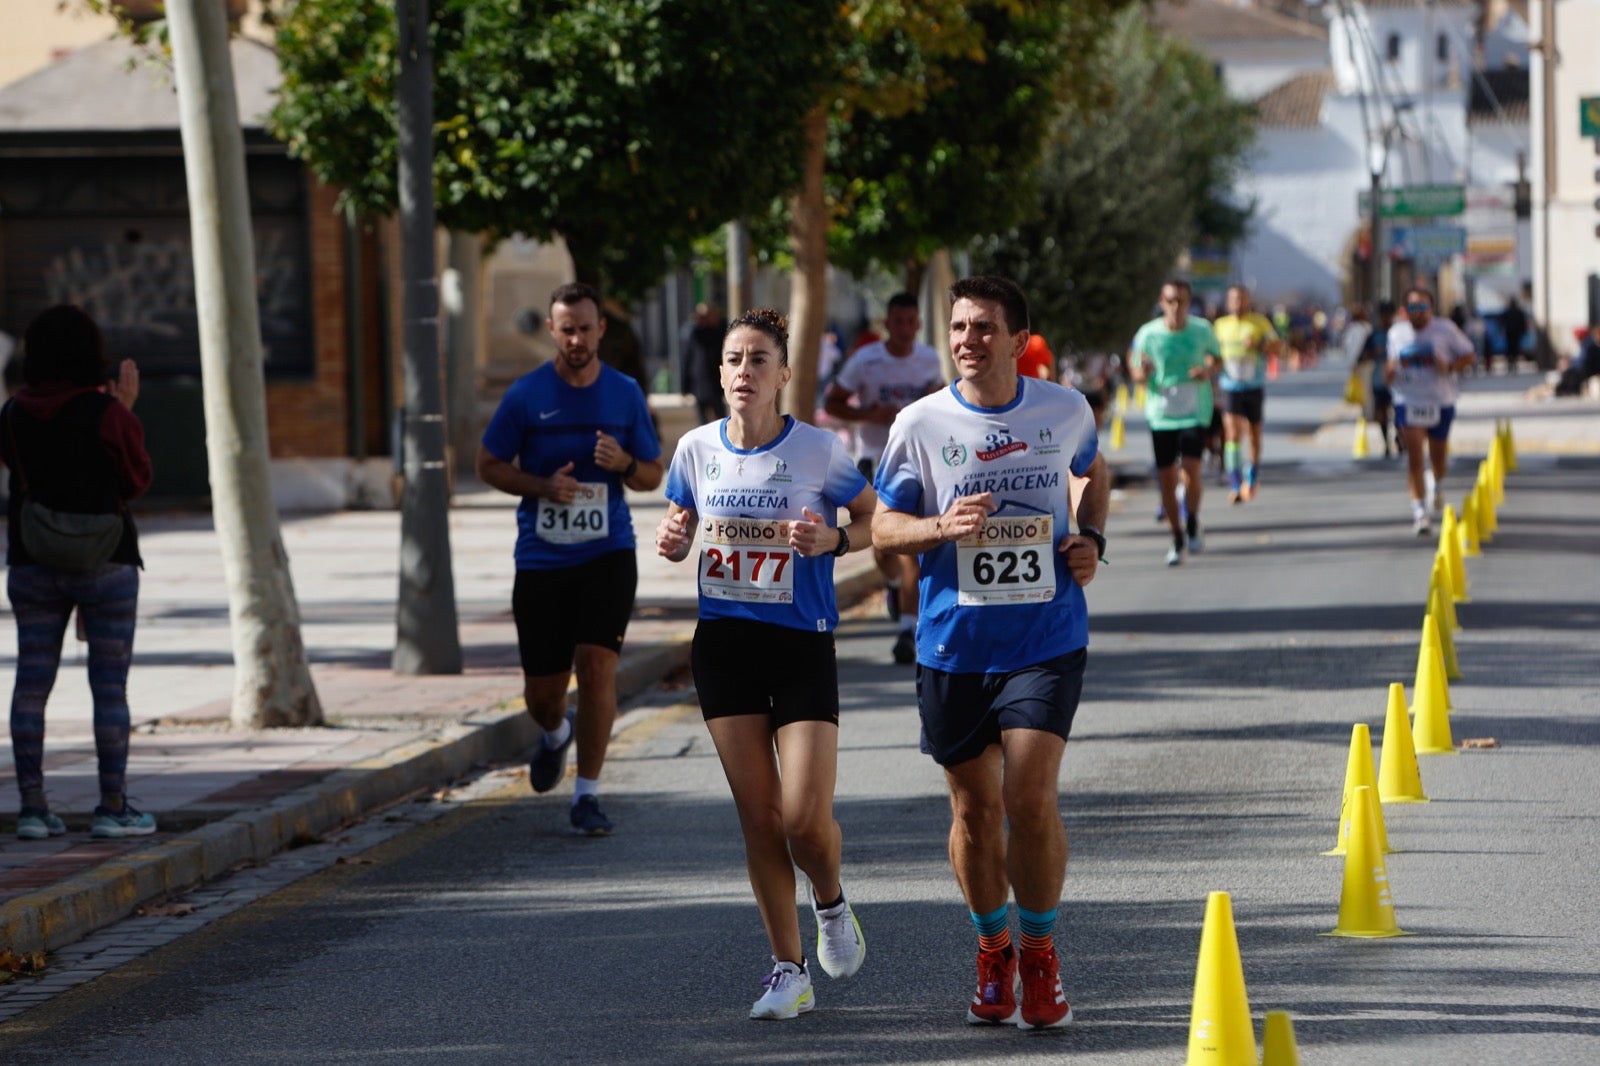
(165, 910)
(26, 962)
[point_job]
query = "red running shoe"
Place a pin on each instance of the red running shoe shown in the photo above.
(1044, 1005)
(995, 1001)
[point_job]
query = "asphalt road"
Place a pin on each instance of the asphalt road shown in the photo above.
(1209, 754)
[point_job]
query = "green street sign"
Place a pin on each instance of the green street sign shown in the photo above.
(1589, 116)
(1419, 201)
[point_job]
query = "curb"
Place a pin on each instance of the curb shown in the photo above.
(70, 910)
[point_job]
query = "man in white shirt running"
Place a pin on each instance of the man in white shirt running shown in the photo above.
(1425, 353)
(884, 377)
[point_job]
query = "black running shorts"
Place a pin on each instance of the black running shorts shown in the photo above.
(1247, 403)
(1171, 443)
(743, 667)
(556, 610)
(962, 714)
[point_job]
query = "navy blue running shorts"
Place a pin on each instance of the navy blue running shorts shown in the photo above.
(962, 714)
(1245, 402)
(558, 609)
(1440, 430)
(745, 667)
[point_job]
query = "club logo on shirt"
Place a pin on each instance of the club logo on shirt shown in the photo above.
(953, 454)
(1044, 435)
(1000, 444)
(713, 470)
(779, 471)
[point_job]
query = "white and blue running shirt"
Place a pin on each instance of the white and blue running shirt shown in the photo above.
(874, 375)
(1418, 381)
(744, 500)
(1005, 599)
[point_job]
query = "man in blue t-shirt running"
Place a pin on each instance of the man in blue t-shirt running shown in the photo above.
(566, 439)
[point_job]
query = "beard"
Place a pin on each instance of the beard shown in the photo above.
(577, 358)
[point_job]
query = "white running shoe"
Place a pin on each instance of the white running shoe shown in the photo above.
(787, 995)
(1420, 524)
(841, 949)
(1174, 557)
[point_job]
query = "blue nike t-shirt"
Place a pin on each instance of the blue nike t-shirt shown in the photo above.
(544, 423)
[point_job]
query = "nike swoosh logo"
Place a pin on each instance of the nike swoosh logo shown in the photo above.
(548, 414)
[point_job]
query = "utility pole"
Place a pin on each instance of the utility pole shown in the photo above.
(427, 640)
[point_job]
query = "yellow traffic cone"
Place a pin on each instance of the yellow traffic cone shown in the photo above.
(1469, 525)
(1122, 396)
(1399, 777)
(1450, 545)
(1432, 647)
(1118, 434)
(1277, 1041)
(1358, 773)
(1139, 396)
(1511, 449)
(1359, 449)
(1220, 1030)
(1430, 698)
(1497, 469)
(1437, 606)
(1486, 503)
(1440, 576)
(1365, 906)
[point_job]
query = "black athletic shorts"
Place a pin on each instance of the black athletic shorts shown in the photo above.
(962, 714)
(556, 610)
(1245, 402)
(743, 667)
(1171, 443)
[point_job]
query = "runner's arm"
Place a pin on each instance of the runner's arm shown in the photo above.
(907, 534)
(506, 476)
(675, 533)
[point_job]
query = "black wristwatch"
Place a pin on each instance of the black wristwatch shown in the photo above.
(1098, 537)
(844, 543)
(633, 468)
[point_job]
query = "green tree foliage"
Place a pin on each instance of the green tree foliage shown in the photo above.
(1125, 182)
(627, 127)
(961, 164)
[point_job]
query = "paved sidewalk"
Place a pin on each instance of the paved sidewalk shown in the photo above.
(224, 797)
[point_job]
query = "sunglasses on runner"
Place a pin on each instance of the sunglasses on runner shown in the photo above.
(1416, 307)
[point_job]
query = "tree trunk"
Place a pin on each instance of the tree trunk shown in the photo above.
(272, 684)
(941, 275)
(808, 239)
(916, 272)
(427, 638)
(740, 274)
(463, 319)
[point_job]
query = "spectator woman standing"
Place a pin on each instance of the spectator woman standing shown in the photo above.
(72, 444)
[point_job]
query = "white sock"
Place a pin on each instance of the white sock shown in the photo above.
(1418, 508)
(554, 738)
(586, 786)
(908, 621)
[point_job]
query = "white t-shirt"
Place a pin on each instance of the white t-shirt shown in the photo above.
(744, 499)
(1005, 600)
(875, 376)
(1418, 379)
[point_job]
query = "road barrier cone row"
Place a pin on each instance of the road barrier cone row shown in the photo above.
(1399, 776)
(1469, 526)
(1430, 697)
(1450, 546)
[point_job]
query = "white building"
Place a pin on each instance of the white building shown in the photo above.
(1566, 170)
(1393, 85)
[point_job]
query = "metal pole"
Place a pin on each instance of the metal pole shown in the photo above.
(426, 639)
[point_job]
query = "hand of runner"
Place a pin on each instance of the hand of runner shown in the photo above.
(810, 536)
(608, 454)
(965, 516)
(561, 486)
(1083, 557)
(673, 537)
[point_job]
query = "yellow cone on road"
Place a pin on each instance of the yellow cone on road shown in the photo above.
(1220, 1030)
(1430, 697)
(1450, 547)
(1440, 611)
(1358, 450)
(1365, 906)
(1277, 1041)
(1399, 778)
(1469, 525)
(1358, 773)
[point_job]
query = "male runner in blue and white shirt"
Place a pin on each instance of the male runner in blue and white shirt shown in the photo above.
(975, 479)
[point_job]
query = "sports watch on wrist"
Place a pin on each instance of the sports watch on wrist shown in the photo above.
(1098, 537)
(843, 545)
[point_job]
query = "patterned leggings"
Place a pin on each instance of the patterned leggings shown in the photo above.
(42, 598)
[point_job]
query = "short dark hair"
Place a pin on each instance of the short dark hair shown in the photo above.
(770, 322)
(1418, 290)
(63, 344)
(902, 299)
(575, 292)
(1002, 291)
(1179, 283)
